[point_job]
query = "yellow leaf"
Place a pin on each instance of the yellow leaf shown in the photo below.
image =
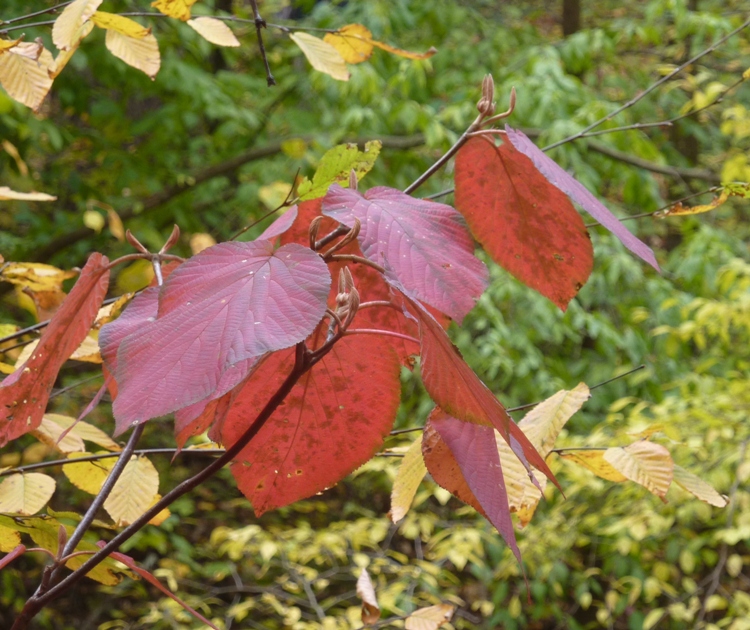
(410, 474)
(85, 431)
(7, 44)
(9, 539)
(93, 220)
(64, 56)
(201, 241)
(274, 194)
(35, 276)
(120, 23)
(214, 31)
(115, 225)
(161, 516)
(23, 168)
(134, 491)
(698, 488)
(88, 351)
(49, 432)
(353, 41)
(430, 618)
(66, 28)
(541, 425)
(26, 353)
(294, 148)
(366, 592)
(5, 368)
(746, 74)
(25, 493)
(322, 56)
(739, 189)
(135, 276)
(141, 53)
(179, 9)
(24, 73)
(88, 476)
(595, 462)
(108, 312)
(7, 193)
(646, 463)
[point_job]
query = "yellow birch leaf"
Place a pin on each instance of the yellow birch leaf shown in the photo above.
(7, 44)
(109, 311)
(140, 52)
(25, 493)
(66, 28)
(179, 9)
(5, 368)
(322, 56)
(366, 592)
(274, 194)
(214, 31)
(64, 56)
(353, 41)
(542, 425)
(430, 618)
(410, 474)
(35, 276)
(9, 539)
(120, 23)
(201, 241)
(88, 476)
(134, 491)
(24, 73)
(595, 462)
(6, 193)
(88, 351)
(85, 431)
(116, 227)
(161, 516)
(698, 488)
(49, 432)
(93, 220)
(645, 463)
(746, 74)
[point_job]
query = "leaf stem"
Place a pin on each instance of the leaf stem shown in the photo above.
(260, 24)
(356, 259)
(375, 331)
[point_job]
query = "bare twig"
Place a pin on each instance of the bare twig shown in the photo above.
(36, 13)
(651, 87)
(260, 24)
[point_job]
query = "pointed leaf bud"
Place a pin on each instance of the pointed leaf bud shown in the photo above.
(313, 231)
(353, 179)
(135, 242)
(486, 106)
(173, 238)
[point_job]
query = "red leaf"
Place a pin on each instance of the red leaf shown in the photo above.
(469, 468)
(333, 421)
(369, 283)
(24, 394)
(151, 579)
(578, 193)
(455, 388)
(424, 246)
(525, 223)
(229, 303)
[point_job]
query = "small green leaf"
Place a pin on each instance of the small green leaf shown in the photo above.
(335, 166)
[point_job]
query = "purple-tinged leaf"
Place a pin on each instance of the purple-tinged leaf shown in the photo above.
(580, 194)
(280, 225)
(475, 451)
(424, 246)
(229, 303)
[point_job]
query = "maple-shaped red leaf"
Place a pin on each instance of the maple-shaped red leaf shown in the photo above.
(455, 388)
(424, 246)
(525, 223)
(24, 394)
(557, 176)
(229, 303)
(334, 420)
(463, 458)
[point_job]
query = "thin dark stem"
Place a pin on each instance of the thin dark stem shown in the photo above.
(356, 259)
(64, 390)
(18, 27)
(260, 24)
(303, 363)
(445, 157)
(97, 456)
(341, 230)
(374, 331)
(579, 448)
(442, 193)
(101, 497)
(651, 88)
(32, 15)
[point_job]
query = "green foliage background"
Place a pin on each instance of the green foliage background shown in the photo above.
(171, 151)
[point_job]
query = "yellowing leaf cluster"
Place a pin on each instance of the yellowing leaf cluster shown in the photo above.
(179, 9)
(355, 44)
(25, 73)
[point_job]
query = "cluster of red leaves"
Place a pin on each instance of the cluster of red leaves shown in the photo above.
(216, 341)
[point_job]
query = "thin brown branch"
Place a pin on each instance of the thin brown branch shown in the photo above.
(260, 24)
(652, 87)
(28, 16)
